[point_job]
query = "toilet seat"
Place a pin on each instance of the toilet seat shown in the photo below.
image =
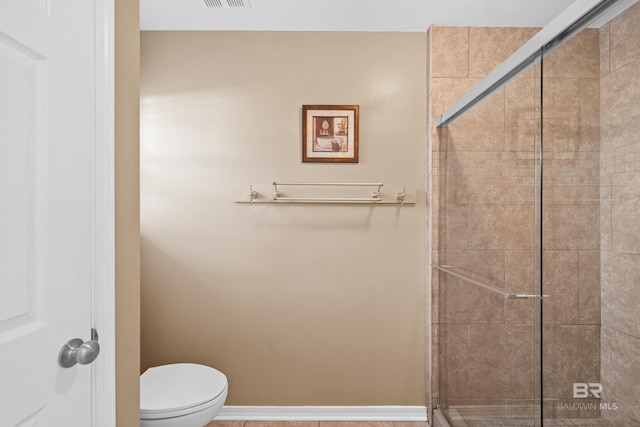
(183, 388)
(187, 411)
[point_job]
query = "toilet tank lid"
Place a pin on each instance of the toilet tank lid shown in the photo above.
(179, 386)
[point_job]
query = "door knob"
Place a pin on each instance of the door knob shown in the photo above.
(78, 351)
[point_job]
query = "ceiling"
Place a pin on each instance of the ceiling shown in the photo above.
(343, 15)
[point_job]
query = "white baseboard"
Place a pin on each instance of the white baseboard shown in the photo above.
(323, 413)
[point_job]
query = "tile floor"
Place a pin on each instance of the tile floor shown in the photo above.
(314, 424)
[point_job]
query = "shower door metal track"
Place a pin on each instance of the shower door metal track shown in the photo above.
(543, 43)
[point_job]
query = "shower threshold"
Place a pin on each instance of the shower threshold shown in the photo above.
(494, 416)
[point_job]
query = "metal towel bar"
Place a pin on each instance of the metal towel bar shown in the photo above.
(375, 197)
(506, 295)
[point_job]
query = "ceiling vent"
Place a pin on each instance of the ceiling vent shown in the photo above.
(227, 4)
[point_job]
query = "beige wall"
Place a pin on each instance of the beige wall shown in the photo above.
(297, 305)
(619, 210)
(127, 60)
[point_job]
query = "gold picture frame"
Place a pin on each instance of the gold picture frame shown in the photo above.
(330, 133)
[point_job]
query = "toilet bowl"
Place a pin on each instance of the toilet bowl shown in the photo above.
(181, 395)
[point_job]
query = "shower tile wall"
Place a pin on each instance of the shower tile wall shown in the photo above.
(571, 209)
(490, 218)
(619, 211)
(492, 171)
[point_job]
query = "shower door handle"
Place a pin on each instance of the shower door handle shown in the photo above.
(78, 351)
(525, 296)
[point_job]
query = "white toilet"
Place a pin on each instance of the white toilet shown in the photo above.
(181, 395)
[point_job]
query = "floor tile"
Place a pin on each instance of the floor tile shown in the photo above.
(281, 424)
(316, 424)
(225, 424)
(372, 424)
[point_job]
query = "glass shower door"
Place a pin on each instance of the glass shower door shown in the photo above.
(490, 201)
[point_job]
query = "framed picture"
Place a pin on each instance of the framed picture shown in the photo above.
(330, 133)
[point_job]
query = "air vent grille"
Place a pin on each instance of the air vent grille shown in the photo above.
(227, 4)
(213, 3)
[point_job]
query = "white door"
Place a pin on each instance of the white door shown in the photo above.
(47, 132)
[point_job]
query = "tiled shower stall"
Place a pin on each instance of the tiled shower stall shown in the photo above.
(536, 191)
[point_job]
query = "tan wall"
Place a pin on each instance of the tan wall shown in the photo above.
(297, 305)
(619, 210)
(127, 60)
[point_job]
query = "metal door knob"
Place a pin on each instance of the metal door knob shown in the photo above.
(77, 351)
